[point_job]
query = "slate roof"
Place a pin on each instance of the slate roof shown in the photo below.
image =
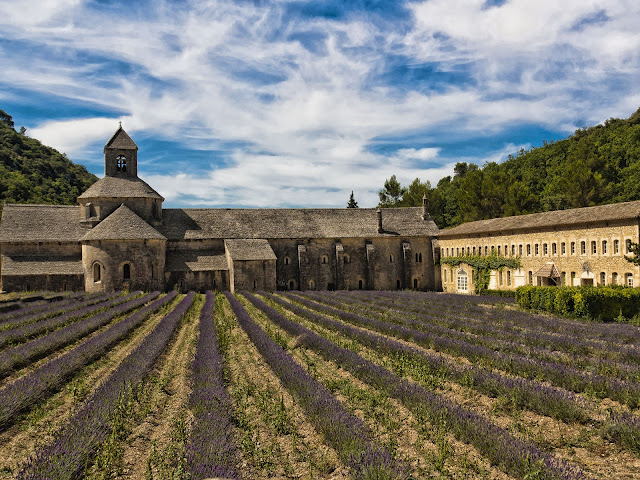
(547, 220)
(293, 223)
(123, 224)
(249, 249)
(195, 261)
(40, 223)
(18, 265)
(120, 187)
(121, 140)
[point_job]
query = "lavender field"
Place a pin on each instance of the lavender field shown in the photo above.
(312, 385)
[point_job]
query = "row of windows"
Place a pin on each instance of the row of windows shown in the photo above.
(324, 259)
(504, 278)
(126, 271)
(595, 248)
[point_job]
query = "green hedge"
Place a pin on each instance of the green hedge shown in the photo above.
(598, 303)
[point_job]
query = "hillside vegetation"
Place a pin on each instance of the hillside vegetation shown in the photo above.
(31, 172)
(594, 166)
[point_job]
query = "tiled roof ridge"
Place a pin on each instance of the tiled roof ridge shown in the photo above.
(40, 205)
(571, 216)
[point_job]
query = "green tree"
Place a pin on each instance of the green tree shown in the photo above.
(352, 201)
(391, 194)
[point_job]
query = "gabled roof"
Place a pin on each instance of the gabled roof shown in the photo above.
(195, 261)
(40, 223)
(20, 266)
(120, 187)
(547, 220)
(123, 224)
(548, 271)
(249, 249)
(121, 141)
(294, 223)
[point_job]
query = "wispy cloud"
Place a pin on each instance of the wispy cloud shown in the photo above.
(289, 97)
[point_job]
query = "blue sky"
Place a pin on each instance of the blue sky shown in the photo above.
(296, 103)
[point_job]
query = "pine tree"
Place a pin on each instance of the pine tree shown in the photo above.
(352, 201)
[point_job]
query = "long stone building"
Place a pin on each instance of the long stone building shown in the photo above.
(582, 246)
(120, 236)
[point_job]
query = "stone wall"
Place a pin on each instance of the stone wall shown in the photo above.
(253, 275)
(55, 283)
(561, 246)
(145, 258)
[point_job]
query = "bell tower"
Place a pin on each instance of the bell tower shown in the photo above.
(121, 155)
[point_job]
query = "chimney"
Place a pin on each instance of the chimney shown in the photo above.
(425, 214)
(379, 212)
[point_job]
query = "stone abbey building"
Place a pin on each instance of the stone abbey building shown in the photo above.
(120, 236)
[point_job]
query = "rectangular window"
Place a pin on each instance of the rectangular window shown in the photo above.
(447, 251)
(604, 247)
(594, 247)
(506, 250)
(500, 277)
(513, 250)
(554, 248)
(509, 277)
(493, 249)
(462, 282)
(528, 249)
(486, 250)
(537, 249)
(563, 248)
(474, 250)
(563, 278)
(457, 251)
(468, 250)
(445, 274)
(498, 249)
(520, 249)
(573, 248)
(583, 247)
(616, 247)
(614, 278)
(603, 278)
(573, 279)
(628, 244)
(629, 279)
(545, 249)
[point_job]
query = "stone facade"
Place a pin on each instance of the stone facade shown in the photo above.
(119, 236)
(583, 246)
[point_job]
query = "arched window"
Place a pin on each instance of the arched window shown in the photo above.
(603, 278)
(420, 257)
(398, 284)
(254, 285)
(614, 278)
(415, 283)
(346, 258)
(629, 279)
(360, 284)
(97, 272)
(292, 285)
(121, 163)
(391, 259)
(154, 270)
(325, 259)
(286, 260)
(445, 274)
(126, 272)
(312, 285)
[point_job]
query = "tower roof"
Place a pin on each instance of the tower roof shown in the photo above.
(121, 141)
(123, 224)
(120, 187)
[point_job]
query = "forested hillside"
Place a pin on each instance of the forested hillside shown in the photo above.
(33, 173)
(594, 166)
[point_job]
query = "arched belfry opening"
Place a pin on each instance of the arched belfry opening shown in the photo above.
(121, 164)
(121, 155)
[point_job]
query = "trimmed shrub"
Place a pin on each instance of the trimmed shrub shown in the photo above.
(597, 303)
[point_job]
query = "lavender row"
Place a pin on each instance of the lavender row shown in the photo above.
(531, 394)
(31, 330)
(50, 310)
(18, 308)
(514, 455)
(556, 373)
(34, 386)
(347, 434)
(20, 355)
(506, 337)
(212, 449)
(73, 447)
(441, 303)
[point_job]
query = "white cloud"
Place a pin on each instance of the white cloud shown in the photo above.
(210, 73)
